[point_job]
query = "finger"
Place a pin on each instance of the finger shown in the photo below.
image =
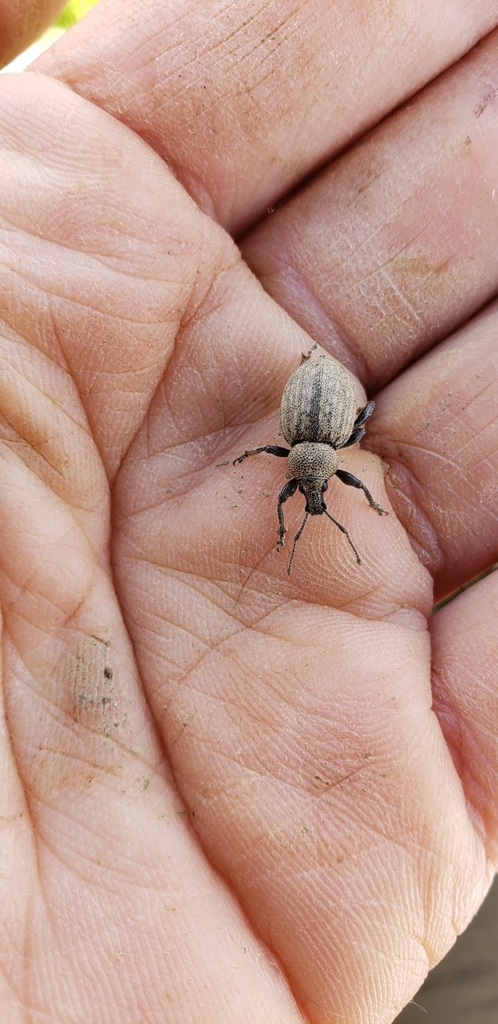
(243, 103)
(314, 773)
(437, 430)
(113, 242)
(291, 727)
(22, 21)
(108, 833)
(394, 245)
(107, 828)
(15, 839)
(465, 685)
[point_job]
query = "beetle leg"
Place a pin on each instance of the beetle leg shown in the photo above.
(355, 436)
(285, 493)
(352, 481)
(304, 359)
(358, 428)
(272, 449)
(364, 415)
(343, 530)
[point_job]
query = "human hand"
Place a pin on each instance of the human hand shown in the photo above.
(328, 846)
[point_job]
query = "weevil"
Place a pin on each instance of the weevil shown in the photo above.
(318, 415)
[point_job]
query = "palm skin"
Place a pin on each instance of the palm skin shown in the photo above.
(230, 795)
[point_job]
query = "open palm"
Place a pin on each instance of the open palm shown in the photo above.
(229, 794)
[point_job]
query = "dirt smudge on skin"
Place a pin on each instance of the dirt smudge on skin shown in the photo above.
(97, 700)
(488, 97)
(420, 265)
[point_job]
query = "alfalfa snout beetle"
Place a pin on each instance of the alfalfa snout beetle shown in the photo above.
(317, 417)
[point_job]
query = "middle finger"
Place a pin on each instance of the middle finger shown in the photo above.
(394, 245)
(244, 100)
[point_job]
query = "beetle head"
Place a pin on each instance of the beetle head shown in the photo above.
(313, 488)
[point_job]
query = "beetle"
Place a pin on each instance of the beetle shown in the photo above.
(317, 417)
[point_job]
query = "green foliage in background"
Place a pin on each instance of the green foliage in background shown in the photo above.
(73, 11)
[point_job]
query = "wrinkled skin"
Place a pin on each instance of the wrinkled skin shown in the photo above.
(227, 795)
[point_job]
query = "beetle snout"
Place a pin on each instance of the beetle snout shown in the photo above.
(313, 489)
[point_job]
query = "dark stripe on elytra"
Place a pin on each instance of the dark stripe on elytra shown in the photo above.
(314, 406)
(308, 424)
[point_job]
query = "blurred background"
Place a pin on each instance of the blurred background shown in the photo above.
(463, 988)
(72, 13)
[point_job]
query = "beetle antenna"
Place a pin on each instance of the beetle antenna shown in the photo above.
(296, 538)
(343, 530)
(304, 359)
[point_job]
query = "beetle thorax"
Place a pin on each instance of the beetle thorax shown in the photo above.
(310, 459)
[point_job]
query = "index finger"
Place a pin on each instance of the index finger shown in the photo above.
(245, 101)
